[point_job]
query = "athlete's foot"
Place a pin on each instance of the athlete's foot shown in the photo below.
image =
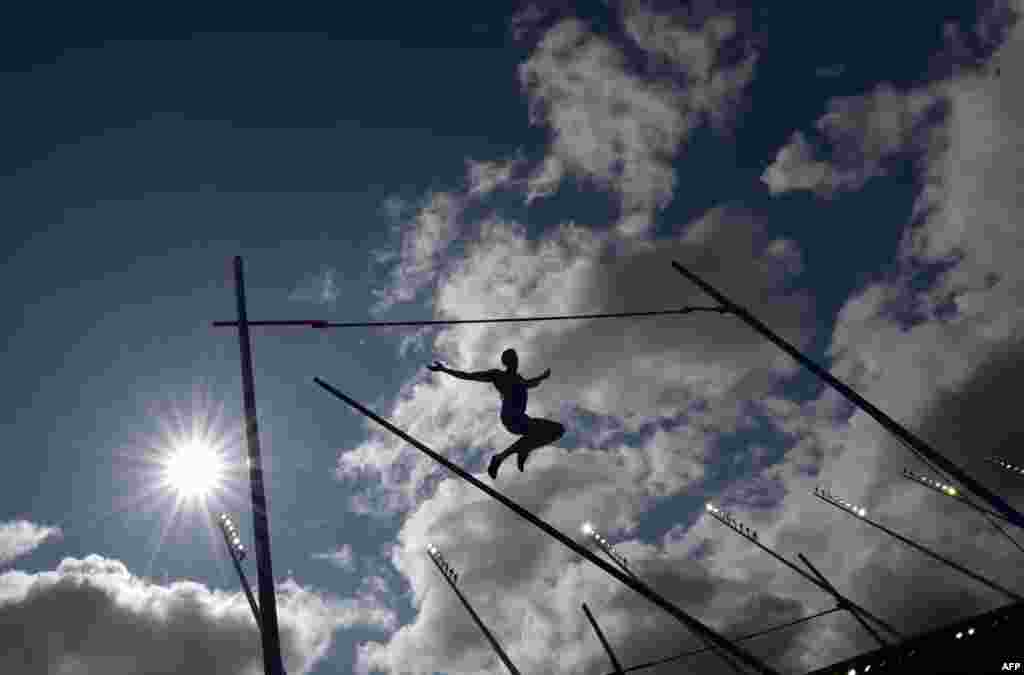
(492, 468)
(521, 459)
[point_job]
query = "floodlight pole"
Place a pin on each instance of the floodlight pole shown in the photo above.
(831, 589)
(480, 624)
(927, 551)
(844, 602)
(639, 586)
(604, 641)
(272, 663)
(889, 423)
(242, 578)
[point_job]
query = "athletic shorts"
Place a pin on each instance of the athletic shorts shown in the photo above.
(519, 424)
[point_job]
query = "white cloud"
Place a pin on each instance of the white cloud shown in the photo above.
(423, 242)
(20, 537)
(623, 129)
(484, 177)
(862, 134)
(321, 289)
(93, 615)
(340, 557)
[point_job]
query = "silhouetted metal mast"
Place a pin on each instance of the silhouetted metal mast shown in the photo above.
(451, 576)
(236, 551)
(861, 514)
(819, 581)
(604, 641)
(272, 663)
(890, 424)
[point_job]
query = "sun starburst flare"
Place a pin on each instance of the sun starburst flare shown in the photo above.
(194, 469)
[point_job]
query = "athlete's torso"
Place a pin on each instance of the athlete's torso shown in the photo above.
(512, 388)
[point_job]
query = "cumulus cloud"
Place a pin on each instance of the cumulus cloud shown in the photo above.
(340, 558)
(423, 241)
(860, 136)
(484, 177)
(92, 614)
(621, 128)
(20, 537)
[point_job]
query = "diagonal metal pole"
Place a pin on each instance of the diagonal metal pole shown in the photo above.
(887, 422)
(923, 480)
(272, 663)
(738, 638)
(243, 579)
(831, 588)
(480, 624)
(604, 641)
(913, 544)
(844, 602)
(639, 586)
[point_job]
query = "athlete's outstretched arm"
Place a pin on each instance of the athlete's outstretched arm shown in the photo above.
(534, 381)
(481, 376)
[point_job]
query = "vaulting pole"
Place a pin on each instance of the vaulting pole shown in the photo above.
(640, 587)
(272, 663)
(890, 424)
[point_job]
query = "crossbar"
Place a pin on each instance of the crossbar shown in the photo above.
(319, 323)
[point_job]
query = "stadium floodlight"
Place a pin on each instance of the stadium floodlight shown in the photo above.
(858, 511)
(237, 552)
(232, 536)
(850, 508)
(442, 564)
(951, 491)
(602, 543)
(451, 576)
(945, 488)
(1009, 466)
(727, 519)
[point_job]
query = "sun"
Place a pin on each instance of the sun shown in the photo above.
(194, 469)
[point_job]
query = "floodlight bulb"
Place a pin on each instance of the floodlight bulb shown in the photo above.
(852, 671)
(970, 631)
(588, 529)
(862, 513)
(867, 668)
(959, 635)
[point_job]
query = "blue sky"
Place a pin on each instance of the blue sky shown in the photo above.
(847, 173)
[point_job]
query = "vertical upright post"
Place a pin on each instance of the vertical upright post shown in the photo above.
(891, 425)
(272, 664)
(604, 641)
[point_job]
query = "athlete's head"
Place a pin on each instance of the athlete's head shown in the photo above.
(510, 359)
